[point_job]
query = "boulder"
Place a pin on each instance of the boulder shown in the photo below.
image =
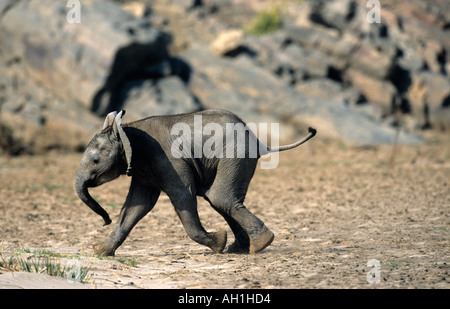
(164, 96)
(379, 92)
(334, 14)
(330, 90)
(433, 53)
(323, 39)
(288, 60)
(73, 60)
(359, 25)
(372, 62)
(409, 58)
(429, 96)
(136, 8)
(228, 42)
(34, 121)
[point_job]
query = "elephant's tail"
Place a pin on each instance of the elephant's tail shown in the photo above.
(311, 134)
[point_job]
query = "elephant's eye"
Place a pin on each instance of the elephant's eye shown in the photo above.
(94, 157)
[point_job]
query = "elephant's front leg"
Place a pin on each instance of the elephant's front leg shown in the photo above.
(139, 202)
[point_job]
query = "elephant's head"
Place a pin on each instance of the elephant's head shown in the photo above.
(107, 157)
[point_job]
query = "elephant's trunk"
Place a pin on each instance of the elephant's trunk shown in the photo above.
(81, 186)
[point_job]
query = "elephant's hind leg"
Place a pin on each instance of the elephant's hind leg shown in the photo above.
(260, 236)
(251, 234)
(241, 242)
(227, 195)
(186, 208)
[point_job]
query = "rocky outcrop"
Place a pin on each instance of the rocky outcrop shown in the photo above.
(241, 86)
(332, 44)
(327, 66)
(387, 62)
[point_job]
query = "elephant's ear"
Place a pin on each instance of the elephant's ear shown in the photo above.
(109, 119)
(123, 138)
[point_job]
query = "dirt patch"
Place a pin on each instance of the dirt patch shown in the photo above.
(332, 207)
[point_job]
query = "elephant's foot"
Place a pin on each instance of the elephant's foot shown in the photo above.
(219, 240)
(103, 249)
(261, 241)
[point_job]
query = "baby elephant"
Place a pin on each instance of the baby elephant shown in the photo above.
(173, 154)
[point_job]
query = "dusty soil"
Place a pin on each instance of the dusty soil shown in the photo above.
(332, 207)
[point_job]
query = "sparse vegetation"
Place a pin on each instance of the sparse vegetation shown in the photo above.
(44, 262)
(130, 262)
(265, 22)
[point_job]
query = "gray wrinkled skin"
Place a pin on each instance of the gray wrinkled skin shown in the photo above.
(142, 150)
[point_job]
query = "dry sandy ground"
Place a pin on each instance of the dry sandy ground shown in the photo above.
(332, 207)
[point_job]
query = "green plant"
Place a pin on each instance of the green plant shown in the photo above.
(130, 262)
(265, 22)
(396, 264)
(46, 252)
(45, 265)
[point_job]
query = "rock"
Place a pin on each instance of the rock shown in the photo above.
(328, 41)
(136, 8)
(187, 5)
(429, 95)
(410, 58)
(227, 42)
(342, 16)
(303, 14)
(289, 61)
(323, 39)
(329, 90)
(212, 6)
(79, 54)
(165, 96)
(346, 46)
(416, 96)
(359, 25)
(374, 90)
(34, 121)
(437, 88)
(433, 53)
(62, 129)
(334, 14)
(349, 125)
(267, 51)
(371, 62)
(316, 64)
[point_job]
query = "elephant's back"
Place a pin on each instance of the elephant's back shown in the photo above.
(218, 116)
